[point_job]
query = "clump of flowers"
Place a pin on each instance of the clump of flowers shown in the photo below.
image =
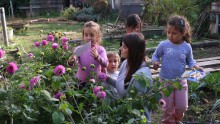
(11, 68)
(64, 41)
(37, 44)
(98, 91)
(22, 86)
(58, 95)
(2, 53)
(55, 45)
(50, 38)
(34, 81)
(65, 47)
(31, 55)
(59, 70)
(102, 77)
(44, 42)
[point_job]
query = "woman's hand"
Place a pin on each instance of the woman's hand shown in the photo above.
(94, 53)
(156, 65)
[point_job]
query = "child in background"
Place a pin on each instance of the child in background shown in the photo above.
(113, 63)
(175, 53)
(133, 24)
(95, 55)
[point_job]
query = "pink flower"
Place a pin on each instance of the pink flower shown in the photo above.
(44, 42)
(58, 95)
(50, 38)
(2, 53)
(37, 44)
(11, 68)
(31, 55)
(64, 41)
(59, 70)
(162, 103)
(34, 81)
(22, 86)
(55, 45)
(92, 80)
(96, 89)
(101, 94)
(65, 47)
(102, 77)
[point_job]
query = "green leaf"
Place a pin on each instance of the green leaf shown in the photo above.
(136, 112)
(177, 85)
(131, 121)
(54, 99)
(46, 94)
(58, 117)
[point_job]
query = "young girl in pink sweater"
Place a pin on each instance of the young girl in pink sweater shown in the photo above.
(96, 54)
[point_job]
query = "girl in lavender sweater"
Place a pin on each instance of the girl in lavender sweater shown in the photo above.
(96, 54)
(175, 53)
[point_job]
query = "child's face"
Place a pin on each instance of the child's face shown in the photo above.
(113, 64)
(90, 35)
(124, 51)
(174, 35)
(135, 29)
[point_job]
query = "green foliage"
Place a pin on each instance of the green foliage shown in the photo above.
(86, 14)
(159, 11)
(69, 13)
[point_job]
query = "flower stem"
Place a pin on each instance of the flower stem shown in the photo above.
(68, 87)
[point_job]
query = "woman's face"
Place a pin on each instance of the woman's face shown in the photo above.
(89, 35)
(124, 51)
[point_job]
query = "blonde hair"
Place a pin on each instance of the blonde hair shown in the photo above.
(95, 28)
(114, 54)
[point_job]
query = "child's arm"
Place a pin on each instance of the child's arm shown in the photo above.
(156, 56)
(100, 57)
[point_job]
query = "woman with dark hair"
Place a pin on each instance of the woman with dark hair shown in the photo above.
(133, 51)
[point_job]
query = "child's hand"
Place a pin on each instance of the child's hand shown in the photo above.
(198, 68)
(156, 65)
(94, 53)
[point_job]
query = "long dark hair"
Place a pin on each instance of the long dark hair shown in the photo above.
(182, 25)
(135, 42)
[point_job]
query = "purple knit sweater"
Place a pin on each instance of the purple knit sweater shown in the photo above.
(85, 60)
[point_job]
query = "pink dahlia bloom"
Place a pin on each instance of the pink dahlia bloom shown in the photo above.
(2, 53)
(11, 68)
(64, 41)
(96, 89)
(101, 94)
(59, 70)
(65, 47)
(22, 86)
(58, 95)
(50, 38)
(31, 55)
(34, 81)
(55, 45)
(44, 42)
(102, 77)
(37, 44)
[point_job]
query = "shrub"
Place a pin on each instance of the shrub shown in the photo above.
(69, 13)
